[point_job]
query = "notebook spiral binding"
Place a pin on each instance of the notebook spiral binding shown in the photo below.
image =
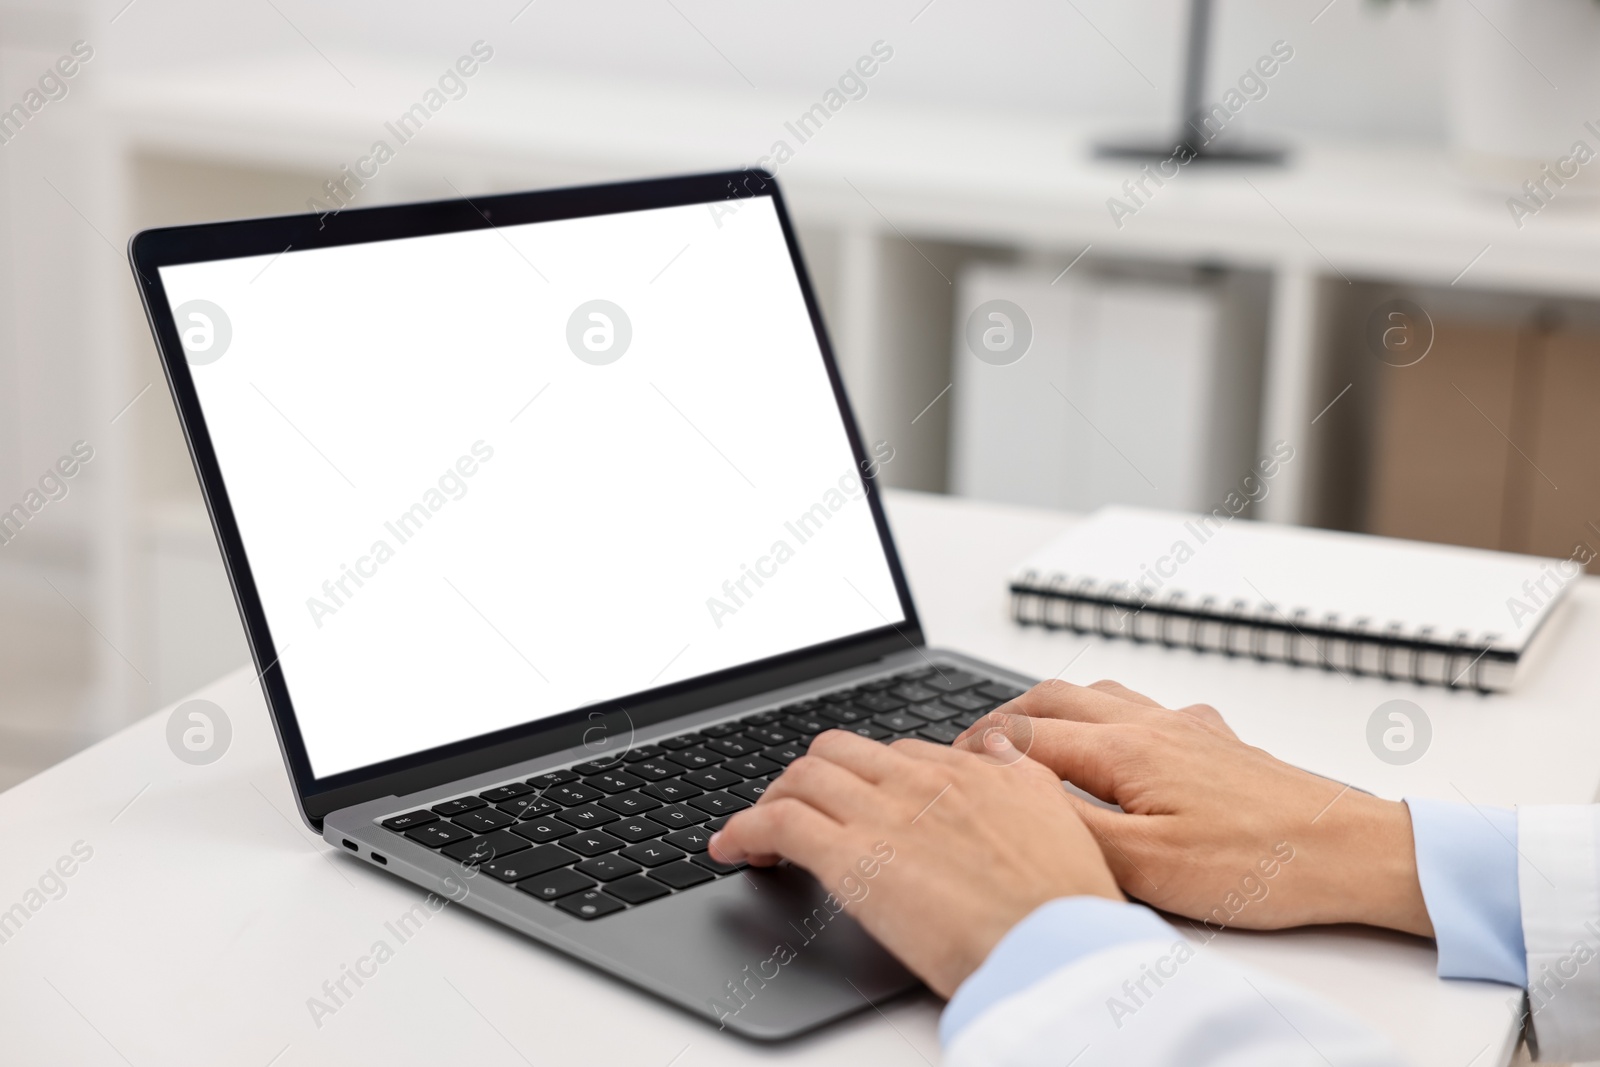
(1263, 631)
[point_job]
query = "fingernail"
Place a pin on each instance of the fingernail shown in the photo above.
(995, 740)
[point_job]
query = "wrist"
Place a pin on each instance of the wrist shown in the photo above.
(1368, 858)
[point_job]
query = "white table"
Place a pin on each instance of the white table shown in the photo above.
(208, 914)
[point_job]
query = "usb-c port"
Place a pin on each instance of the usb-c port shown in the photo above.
(380, 859)
(351, 845)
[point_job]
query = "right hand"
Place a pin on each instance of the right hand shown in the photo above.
(1212, 828)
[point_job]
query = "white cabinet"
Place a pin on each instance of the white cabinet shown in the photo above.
(1130, 391)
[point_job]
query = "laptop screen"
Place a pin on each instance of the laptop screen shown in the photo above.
(487, 477)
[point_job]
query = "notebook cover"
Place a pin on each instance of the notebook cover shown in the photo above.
(1403, 587)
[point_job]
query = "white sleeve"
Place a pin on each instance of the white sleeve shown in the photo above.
(1155, 1002)
(1558, 879)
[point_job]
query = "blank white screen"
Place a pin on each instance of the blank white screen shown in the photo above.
(608, 508)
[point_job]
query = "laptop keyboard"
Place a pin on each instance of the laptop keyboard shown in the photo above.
(600, 837)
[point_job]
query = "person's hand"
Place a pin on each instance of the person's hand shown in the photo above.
(938, 852)
(1210, 827)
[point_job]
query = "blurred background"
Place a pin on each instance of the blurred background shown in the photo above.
(1405, 304)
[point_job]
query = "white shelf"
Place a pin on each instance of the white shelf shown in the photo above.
(1382, 211)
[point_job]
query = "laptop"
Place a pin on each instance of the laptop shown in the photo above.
(555, 541)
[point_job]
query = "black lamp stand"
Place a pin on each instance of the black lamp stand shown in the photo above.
(1192, 133)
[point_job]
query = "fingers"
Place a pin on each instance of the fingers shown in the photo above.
(785, 827)
(831, 788)
(1117, 689)
(866, 759)
(1090, 755)
(1211, 717)
(1063, 700)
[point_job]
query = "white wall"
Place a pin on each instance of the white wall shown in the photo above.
(1362, 69)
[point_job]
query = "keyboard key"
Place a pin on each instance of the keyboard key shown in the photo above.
(481, 822)
(590, 904)
(783, 755)
(694, 758)
(637, 828)
(588, 816)
(457, 806)
(719, 803)
(752, 767)
(607, 868)
(590, 843)
(865, 729)
(769, 735)
(807, 725)
(672, 744)
(630, 803)
(881, 683)
(401, 823)
(691, 840)
(896, 722)
(750, 791)
(505, 792)
(716, 824)
(493, 846)
(721, 729)
(1000, 691)
(529, 807)
(761, 718)
(556, 884)
(572, 794)
(967, 719)
(599, 766)
(672, 791)
(544, 858)
(636, 889)
(550, 778)
(915, 693)
(681, 875)
(942, 732)
(678, 816)
(951, 679)
(842, 696)
(713, 778)
(652, 853)
(704, 860)
(967, 701)
(511, 869)
(438, 834)
(655, 770)
(938, 710)
(614, 782)
(542, 829)
(733, 746)
(844, 714)
(878, 703)
(643, 752)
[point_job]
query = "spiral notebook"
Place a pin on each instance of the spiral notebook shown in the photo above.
(1439, 614)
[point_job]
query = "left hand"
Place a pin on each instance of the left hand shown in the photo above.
(937, 852)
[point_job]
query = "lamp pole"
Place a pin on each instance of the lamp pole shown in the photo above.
(1194, 75)
(1193, 112)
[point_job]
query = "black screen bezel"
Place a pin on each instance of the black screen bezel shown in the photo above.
(152, 249)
